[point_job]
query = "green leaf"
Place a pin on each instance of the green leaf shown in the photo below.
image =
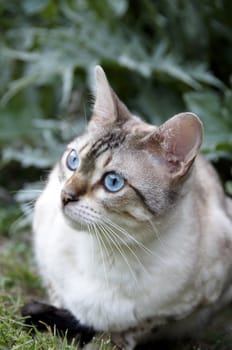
(119, 7)
(16, 119)
(152, 103)
(32, 7)
(228, 187)
(28, 157)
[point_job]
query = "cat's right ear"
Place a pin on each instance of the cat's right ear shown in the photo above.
(108, 109)
(180, 140)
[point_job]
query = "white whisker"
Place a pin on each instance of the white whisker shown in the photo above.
(129, 249)
(92, 239)
(101, 229)
(131, 237)
(99, 240)
(157, 234)
(119, 249)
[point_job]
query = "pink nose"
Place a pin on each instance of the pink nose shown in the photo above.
(68, 196)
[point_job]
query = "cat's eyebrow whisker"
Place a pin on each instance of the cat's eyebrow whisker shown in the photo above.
(121, 252)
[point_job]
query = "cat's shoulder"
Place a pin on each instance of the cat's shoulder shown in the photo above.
(208, 185)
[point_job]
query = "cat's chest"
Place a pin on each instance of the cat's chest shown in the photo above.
(112, 291)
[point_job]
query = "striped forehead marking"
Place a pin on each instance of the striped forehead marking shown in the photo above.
(110, 141)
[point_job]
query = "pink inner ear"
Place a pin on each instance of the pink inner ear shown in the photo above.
(181, 137)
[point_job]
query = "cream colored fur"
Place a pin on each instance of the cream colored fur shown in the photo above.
(176, 265)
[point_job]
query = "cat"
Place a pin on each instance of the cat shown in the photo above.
(133, 232)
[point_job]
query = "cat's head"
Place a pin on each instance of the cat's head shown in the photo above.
(123, 171)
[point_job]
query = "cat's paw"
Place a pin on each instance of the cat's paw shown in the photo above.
(44, 316)
(38, 314)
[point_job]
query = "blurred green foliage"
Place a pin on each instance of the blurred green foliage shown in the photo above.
(162, 57)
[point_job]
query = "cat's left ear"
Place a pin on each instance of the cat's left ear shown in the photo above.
(180, 139)
(108, 109)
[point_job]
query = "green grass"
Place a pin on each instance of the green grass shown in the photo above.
(14, 334)
(19, 283)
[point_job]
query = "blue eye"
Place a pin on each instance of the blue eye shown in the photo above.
(72, 160)
(114, 182)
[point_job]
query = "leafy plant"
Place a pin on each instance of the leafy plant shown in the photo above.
(161, 58)
(50, 48)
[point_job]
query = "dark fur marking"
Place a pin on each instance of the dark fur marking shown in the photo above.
(170, 197)
(111, 141)
(42, 315)
(107, 161)
(143, 199)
